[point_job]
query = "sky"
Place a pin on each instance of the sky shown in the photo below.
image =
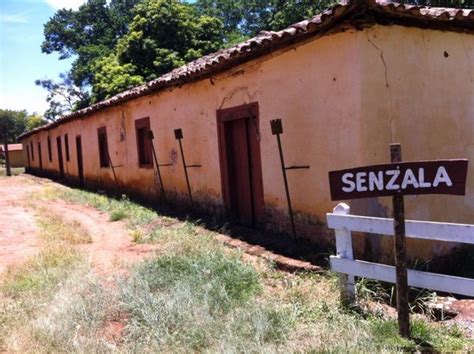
(21, 59)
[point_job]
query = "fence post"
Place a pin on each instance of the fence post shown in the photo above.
(344, 250)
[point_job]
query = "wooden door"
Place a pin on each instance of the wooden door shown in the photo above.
(60, 157)
(28, 154)
(80, 168)
(40, 157)
(241, 171)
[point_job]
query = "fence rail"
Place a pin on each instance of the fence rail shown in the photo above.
(343, 223)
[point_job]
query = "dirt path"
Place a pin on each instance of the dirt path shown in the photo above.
(18, 230)
(111, 249)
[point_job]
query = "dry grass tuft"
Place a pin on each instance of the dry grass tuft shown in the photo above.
(56, 228)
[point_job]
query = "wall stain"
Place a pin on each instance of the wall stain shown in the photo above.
(123, 129)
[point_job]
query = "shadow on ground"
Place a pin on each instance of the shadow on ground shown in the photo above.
(278, 243)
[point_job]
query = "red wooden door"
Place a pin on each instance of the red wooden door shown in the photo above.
(60, 157)
(80, 167)
(40, 156)
(239, 171)
(241, 163)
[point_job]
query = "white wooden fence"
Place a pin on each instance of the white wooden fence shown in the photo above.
(343, 223)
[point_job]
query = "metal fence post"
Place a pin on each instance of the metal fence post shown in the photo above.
(178, 134)
(344, 250)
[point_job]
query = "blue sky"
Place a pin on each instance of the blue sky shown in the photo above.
(21, 60)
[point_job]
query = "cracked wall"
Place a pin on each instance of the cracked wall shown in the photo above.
(418, 90)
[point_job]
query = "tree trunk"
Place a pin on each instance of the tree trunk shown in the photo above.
(7, 159)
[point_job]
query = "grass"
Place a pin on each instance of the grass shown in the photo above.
(200, 302)
(424, 336)
(118, 209)
(41, 272)
(54, 228)
(143, 223)
(31, 292)
(26, 289)
(64, 311)
(118, 214)
(196, 296)
(15, 171)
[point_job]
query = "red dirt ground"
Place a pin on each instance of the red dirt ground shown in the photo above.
(110, 250)
(18, 228)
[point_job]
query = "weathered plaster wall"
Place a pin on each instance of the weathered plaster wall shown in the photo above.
(418, 89)
(16, 158)
(342, 98)
(313, 88)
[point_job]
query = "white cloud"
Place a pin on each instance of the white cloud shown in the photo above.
(68, 4)
(16, 18)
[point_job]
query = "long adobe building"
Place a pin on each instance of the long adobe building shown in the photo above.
(345, 83)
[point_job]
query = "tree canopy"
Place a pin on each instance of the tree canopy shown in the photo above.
(245, 18)
(110, 77)
(12, 124)
(467, 4)
(87, 34)
(165, 34)
(34, 121)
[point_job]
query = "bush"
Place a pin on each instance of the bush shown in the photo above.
(118, 214)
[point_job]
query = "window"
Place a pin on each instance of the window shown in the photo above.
(144, 147)
(32, 151)
(66, 144)
(103, 149)
(50, 155)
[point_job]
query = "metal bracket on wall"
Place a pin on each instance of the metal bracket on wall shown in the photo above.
(151, 136)
(113, 170)
(178, 134)
(277, 129)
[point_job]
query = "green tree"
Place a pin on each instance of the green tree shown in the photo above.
(286, 13)
(12, 124)
(111, 78)
(230, 12)
(88, 33)
(34, 121)
(467, 4)
(246, 18)
(165, 34)
(117, 48)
